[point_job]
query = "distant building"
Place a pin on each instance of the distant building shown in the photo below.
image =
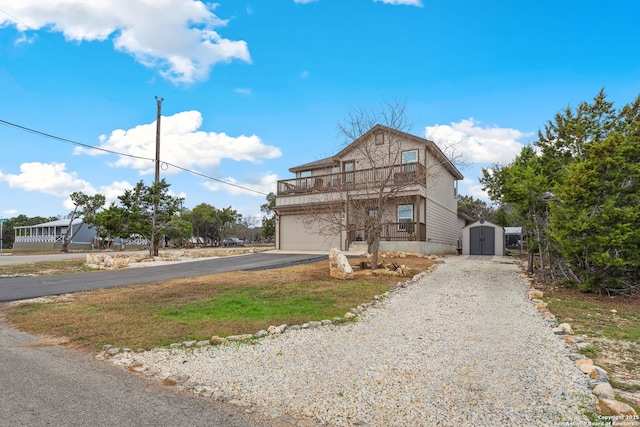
(50, 235)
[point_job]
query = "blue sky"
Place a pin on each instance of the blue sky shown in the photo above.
(252, 88)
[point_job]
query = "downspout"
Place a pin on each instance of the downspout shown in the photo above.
(277, 231)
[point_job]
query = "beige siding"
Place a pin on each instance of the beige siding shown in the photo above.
(442, 207)
(442, 224)
(295, 236)
(434, 200)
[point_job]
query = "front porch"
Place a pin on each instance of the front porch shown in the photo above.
(392, 232)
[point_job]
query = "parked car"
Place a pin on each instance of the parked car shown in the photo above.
(233, 241)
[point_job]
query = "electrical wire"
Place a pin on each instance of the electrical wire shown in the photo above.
(92, 147)
(47, 135)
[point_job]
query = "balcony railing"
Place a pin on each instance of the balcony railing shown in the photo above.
(395, 232)
(392, 176)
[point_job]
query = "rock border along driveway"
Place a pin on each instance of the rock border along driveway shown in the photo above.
(459, 346)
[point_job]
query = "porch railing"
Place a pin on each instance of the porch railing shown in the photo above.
(395, 232)
(43, 238)
(399, 175)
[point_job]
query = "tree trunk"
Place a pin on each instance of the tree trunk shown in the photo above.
(374, 246)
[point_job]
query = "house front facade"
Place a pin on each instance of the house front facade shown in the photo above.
(388, 183)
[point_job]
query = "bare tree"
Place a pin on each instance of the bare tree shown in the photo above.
(452, 149)
(364, 197)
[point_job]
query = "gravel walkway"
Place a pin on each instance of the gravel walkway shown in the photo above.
(463, 346)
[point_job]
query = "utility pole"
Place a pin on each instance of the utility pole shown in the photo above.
(154, 229)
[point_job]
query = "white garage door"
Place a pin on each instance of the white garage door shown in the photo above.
(294, 236)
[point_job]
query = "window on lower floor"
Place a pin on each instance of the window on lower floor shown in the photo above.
(405, 215)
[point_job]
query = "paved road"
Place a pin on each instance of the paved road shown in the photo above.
(45, 384)
(17, 288)
(48, 385)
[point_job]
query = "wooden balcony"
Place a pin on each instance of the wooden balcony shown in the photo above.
(393, 176)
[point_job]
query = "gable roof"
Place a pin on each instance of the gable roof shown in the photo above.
(430, 145)
(327, 161)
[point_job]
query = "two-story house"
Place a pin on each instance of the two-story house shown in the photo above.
(388, 183)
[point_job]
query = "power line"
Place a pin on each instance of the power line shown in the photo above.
(69, 141)
(66, 80)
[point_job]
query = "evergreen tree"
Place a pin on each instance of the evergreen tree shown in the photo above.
(596, 217)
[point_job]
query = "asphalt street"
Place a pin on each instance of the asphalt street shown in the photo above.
(18, 288)
(43, 383)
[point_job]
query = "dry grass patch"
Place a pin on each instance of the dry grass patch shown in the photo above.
(613, 325)
(46, 268)
(146, 316)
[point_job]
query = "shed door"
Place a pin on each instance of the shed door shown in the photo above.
(482, 240)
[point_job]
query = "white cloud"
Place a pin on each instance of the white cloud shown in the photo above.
(176, 36)
(112, 191)
(181, 144)
(264, 184)
(474, 189)
(243, 91)
(480, 144)
(304, 1)
(48, 178)
(304, 75)
(405, 2)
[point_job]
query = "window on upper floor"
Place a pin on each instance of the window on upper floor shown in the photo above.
(409, 159)
(305, 179)
(410, 156)
(335, 175)
(347, 168)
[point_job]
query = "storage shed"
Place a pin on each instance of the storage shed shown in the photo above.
(483, 238)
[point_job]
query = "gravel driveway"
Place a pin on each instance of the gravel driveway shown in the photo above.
(462, 346)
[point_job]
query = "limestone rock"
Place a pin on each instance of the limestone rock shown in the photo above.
(584, 362)
(632, 398)
(106, 262)
(563, 329)
(535, 294)
(613, 407)
(588, 369)
(604, 391)
(276, 330)
(216, 340)
(339, 265)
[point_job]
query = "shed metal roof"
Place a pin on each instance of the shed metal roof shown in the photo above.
(513, 230)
